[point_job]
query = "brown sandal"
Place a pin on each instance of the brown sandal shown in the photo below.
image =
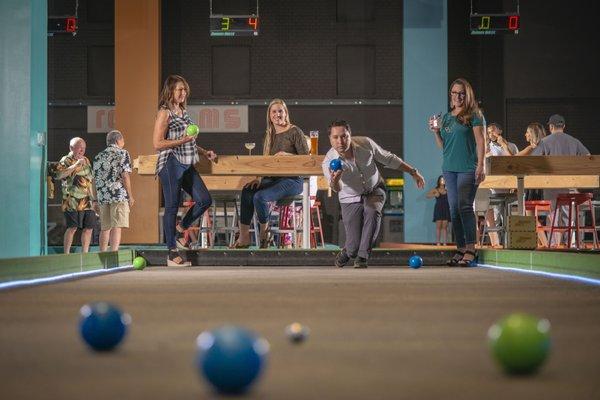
(238, 245)
(176, 260)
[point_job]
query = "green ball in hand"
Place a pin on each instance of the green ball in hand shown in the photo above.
(520, 343)
(139, 263)
(192, 130)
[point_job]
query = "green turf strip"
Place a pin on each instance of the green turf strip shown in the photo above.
(571, 263)
(59, 264)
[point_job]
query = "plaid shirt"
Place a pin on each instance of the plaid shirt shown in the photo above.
(185, 153)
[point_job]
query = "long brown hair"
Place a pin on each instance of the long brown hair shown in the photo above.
(470, 106)
(270, 131)
(166, 94)
(537, 132)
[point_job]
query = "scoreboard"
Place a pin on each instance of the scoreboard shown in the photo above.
(233, 26)
(491, 24)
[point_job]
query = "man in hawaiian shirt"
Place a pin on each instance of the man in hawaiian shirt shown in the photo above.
(78, 196)
(112, 167)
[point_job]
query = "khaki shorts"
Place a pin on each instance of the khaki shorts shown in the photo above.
(114, 215)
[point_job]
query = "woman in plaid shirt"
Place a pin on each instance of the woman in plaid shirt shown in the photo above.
(177, 154)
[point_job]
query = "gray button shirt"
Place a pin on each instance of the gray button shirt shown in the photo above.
(360, 175)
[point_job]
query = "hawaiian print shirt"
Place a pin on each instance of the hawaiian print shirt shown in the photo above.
(109, 165)
(77, 190)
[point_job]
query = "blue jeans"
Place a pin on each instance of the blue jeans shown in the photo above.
(270, 189)
(176, 176)
(461, 188)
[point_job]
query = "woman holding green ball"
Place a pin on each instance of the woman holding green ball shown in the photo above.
(177, 154)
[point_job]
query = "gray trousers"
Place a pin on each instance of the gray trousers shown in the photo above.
(362, 221)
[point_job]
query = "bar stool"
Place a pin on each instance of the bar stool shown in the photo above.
(289, 217)
(578, 201)
(201, 229)
(540, 208)
(287, 220)
(502, 201)
(225, 215)
(221, 218)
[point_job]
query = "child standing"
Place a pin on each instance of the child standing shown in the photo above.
(441, 211)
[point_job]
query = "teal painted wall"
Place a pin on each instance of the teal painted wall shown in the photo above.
(425, 80)
(23, 102)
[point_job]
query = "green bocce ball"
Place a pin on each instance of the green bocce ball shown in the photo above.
(192, 130)
(520, 343)
(139, 263)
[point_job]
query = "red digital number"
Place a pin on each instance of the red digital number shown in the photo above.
(513, 22)
(71, 24)
(253, 22)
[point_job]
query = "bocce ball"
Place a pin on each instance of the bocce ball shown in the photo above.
(192, 130)
(231, 358)
(102, 325)
(335, 164)
(520, 343)
(139, 263)
(415, 262)
(297, 332)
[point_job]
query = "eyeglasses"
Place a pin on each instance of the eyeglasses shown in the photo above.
(459, 94)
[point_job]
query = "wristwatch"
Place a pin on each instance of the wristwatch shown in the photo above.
(413, 171)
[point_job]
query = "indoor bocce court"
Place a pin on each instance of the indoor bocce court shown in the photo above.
(284, 199)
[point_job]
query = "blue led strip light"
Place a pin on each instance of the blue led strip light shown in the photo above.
(574, 278)
(61, 278)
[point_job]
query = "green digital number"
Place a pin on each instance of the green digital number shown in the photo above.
(485, 23)
(225, 24)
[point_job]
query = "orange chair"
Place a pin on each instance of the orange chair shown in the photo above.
(540, 208)
(579, 201)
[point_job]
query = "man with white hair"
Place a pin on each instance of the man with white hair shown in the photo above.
(112, 167)
(78, 195)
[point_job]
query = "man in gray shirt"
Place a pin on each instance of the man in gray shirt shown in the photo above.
(360, 188)
(559, 143)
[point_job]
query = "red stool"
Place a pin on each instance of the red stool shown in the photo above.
(290, 221)
(537, 207)
(579, 201)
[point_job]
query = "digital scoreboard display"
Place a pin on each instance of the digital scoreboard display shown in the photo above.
(233, 26)
(492, 24)
(62, 24)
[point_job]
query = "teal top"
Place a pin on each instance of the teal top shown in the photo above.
(460, 149)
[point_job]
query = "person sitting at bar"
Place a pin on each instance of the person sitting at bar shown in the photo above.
(282, 138)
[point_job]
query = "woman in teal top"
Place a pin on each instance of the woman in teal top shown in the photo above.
(460, 135)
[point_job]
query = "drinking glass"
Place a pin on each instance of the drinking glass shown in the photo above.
(249, 146)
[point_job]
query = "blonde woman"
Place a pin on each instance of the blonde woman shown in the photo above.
(460, 135)
(282, 138)
(533, 135)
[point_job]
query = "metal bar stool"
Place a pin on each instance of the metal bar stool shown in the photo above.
(502, 201)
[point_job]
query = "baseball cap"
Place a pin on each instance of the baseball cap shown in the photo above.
(556, 120)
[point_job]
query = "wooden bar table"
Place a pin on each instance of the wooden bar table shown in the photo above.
(541, 172)
(234, 172)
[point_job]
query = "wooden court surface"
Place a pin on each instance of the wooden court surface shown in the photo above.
(375, 334)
